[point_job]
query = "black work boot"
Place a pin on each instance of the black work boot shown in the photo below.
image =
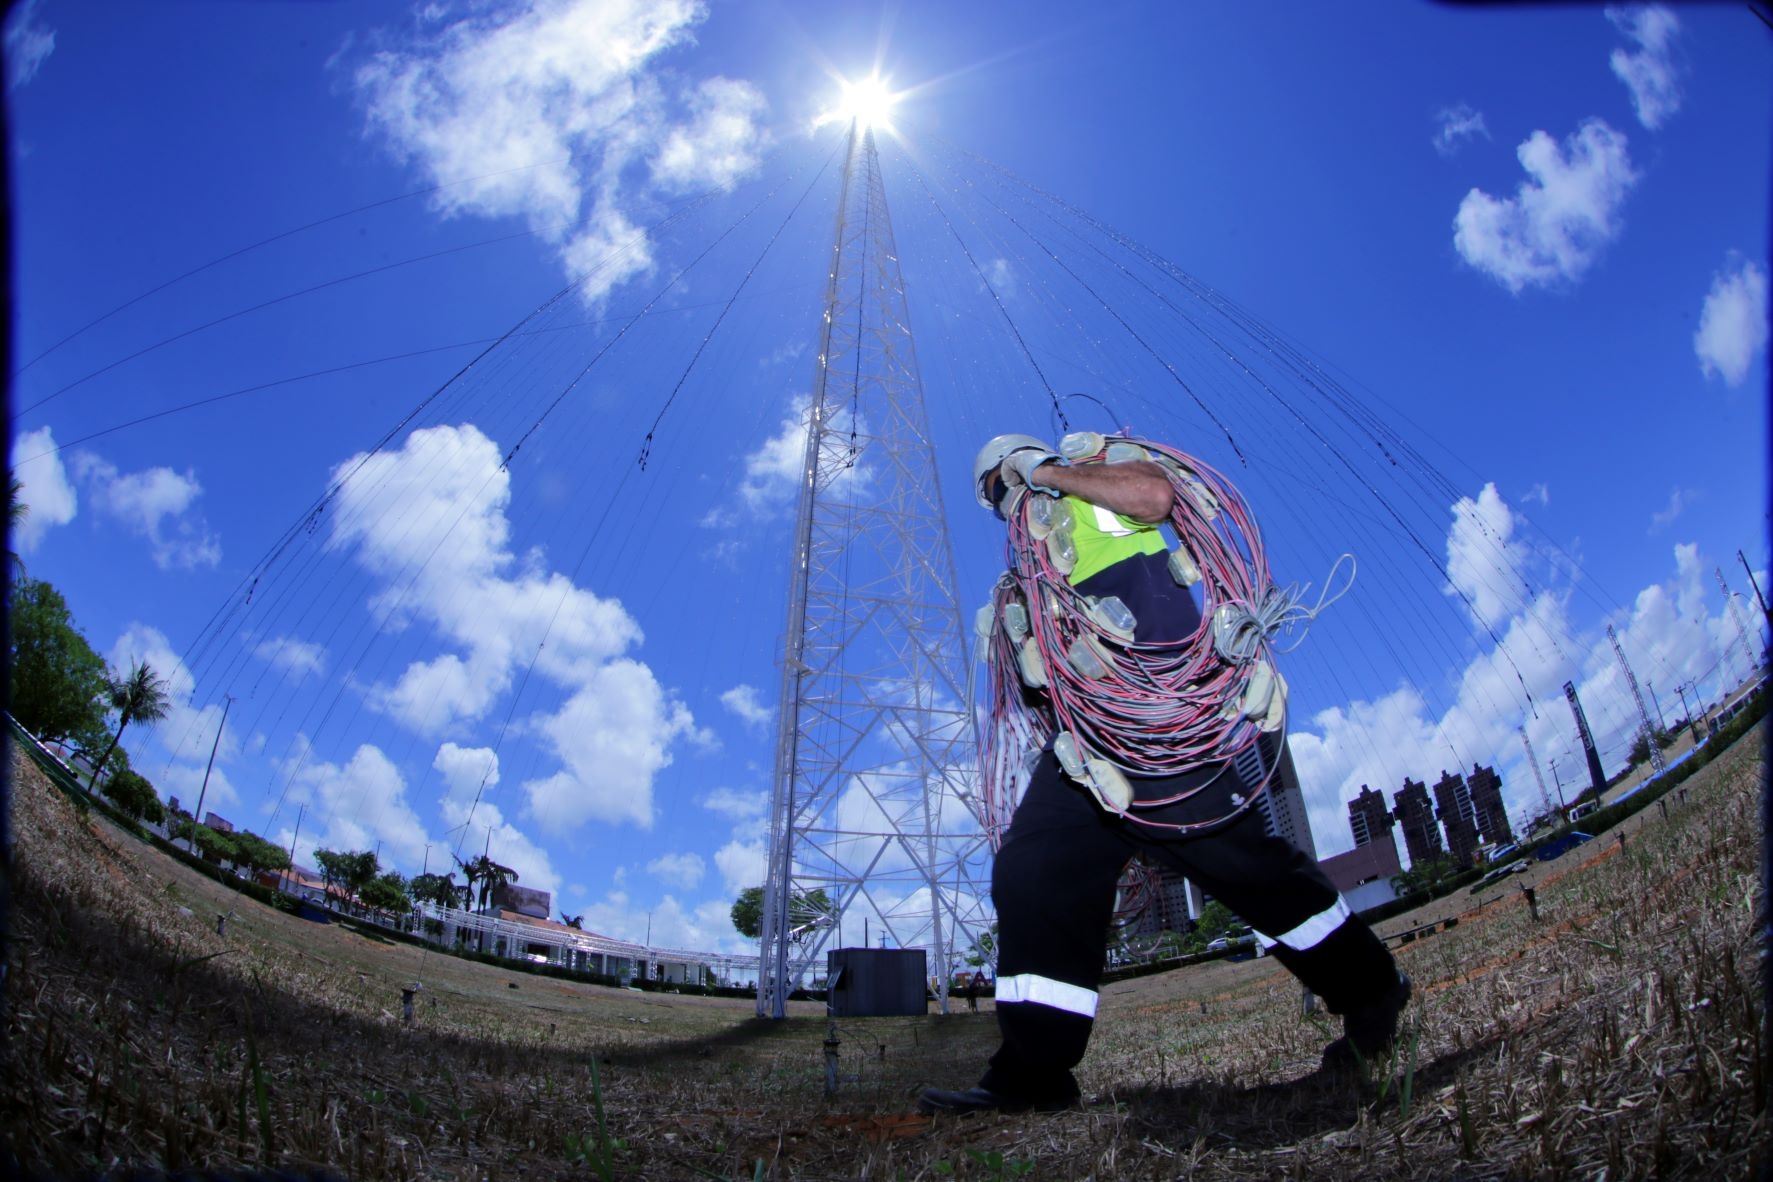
(1369, 1030)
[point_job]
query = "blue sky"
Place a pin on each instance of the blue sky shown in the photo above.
(1534, 243)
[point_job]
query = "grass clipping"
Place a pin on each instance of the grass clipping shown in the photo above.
(1618, 1035)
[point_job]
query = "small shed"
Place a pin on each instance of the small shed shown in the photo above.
(877, 982)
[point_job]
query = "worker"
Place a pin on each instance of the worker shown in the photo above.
(1058, 863)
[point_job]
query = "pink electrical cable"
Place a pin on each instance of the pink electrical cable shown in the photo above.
(1160, 710)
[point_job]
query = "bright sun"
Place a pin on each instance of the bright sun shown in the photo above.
(869, 101)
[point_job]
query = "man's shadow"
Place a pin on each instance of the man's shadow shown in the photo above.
(1269, 1116)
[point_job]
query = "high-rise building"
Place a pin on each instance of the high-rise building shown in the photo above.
(1422, 838)
(1452, 801)
(1368, 817)
(1486, 801)
(1283, 805)
(1283, 815)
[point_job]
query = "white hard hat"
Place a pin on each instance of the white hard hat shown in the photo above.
(994, 453)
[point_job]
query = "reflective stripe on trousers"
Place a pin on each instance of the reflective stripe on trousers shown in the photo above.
(1073, 999)
(1313, 931)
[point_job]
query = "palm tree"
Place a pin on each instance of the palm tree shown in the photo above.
(576, 922)
(16, 512)
(470, 871)
(492, 877)
(140, 697)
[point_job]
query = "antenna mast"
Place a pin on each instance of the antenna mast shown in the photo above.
(876, 753)
(1650, 737)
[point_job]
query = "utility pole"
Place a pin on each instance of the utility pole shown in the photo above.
(284, 877)
(1755, 583)
(1692, 723)
(197, 817)
(1562, 807)
(1661, 723)
(1656, 761)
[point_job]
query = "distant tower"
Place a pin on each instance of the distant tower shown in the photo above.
(1422, 838)
(1368, 817)
(1538, 776)
(1649, 732)
(1596, 777)
(1486, 802)
(1452, 801)
(1736, 617)
(875, 751)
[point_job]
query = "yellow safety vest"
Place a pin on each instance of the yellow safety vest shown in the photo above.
(1104, 538)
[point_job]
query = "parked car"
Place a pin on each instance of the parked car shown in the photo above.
(1503, 852)
(1559, 846)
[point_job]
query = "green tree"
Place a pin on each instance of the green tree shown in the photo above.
(747, 912)
(441, 890)
(489, 874)
(257, 854)
(1216, 919)
(134, 796)
(140, 697)
(350, 871)
(804, 910)
(58, 683)
(1425, 877)
(386, 892)
(984, 949)
(213, 844)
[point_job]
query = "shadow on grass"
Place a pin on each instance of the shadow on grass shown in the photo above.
(1272, 1116)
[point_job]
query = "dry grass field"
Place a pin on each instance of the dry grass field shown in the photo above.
(1616, 1036)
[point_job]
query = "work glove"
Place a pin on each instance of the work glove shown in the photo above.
(1018, 470)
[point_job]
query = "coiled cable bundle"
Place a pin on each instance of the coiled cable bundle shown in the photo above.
(1066, 667)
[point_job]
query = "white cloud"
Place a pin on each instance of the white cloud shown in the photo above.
(292, 655)
(719, 144)
(1675, 634)
(773, 471)
(157, 504)
(468, 772)
(560, 112)
(29, 43)
(1002, 277)
(360, 804)
(187, 733)
(683, 871)
(737, 805)
(614, 735)
(1483, 562)
(1650, 72)
(1678, 501)
(1457, 124)
(1539, 494)
(742, 864)
(1733, 324)
(743, 701)
(48, 496)
(429, 520)
(1554, 227)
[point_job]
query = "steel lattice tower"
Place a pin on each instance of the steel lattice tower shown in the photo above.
(1657, 763)
(876, 747)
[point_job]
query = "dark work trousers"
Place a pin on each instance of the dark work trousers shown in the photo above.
(1053, 885)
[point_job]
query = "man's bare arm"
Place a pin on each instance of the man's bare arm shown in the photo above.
(1138, 489)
